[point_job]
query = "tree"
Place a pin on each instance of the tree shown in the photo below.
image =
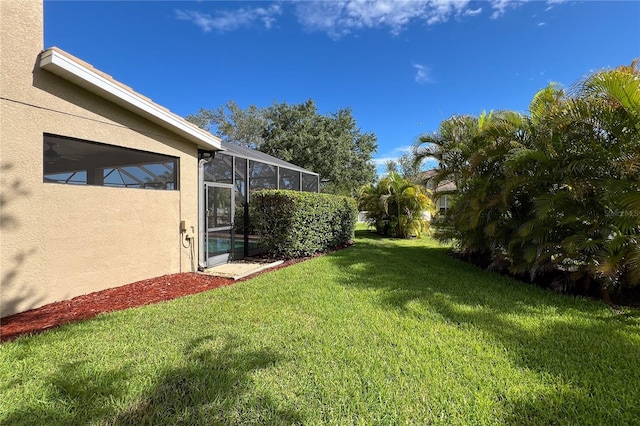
(556, 190)
(469, 161)
(395, 206)
(331, 145)
(233, 124)
(406, 167)
(594, 169)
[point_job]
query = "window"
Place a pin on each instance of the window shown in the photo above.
(309, 182)
(289, 179)
(219, 169)
(79, 162)
(262, 176)
(443, 203)
(242, 209)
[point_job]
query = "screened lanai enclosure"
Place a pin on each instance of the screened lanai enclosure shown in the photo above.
(230, 178)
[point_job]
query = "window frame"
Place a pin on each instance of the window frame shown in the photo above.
(97, 161)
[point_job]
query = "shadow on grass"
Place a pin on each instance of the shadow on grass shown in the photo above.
(592, 353)
(213, 387)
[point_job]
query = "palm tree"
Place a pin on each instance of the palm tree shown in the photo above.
(607, 110)
(396, 206)
(472, 161)
(579, 167)
(557, 189)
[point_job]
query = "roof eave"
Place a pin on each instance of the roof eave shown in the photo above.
(63, 66)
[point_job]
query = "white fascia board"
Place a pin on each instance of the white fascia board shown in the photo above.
(68, 69)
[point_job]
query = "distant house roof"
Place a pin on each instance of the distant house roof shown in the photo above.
(444, 186)
(253, 154)
(429, 174)
(77, 71)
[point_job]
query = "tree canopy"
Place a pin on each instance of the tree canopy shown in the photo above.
(331, 145)
(406, 167)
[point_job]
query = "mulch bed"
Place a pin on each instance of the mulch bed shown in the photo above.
(140, 293)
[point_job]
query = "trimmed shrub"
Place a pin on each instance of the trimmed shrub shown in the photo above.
(297, 224)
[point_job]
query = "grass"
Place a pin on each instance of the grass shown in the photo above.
(384, 332)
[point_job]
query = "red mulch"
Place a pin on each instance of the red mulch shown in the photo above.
(140, 293)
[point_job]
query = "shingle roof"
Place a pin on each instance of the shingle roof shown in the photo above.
(444, 186)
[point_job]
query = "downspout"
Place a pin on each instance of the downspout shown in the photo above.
(203, 158)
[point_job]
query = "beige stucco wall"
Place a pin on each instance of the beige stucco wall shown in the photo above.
(59, 241)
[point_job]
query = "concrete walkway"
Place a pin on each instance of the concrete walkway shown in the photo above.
(237, 270)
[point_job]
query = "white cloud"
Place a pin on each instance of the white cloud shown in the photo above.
(403, 149)
(392, 155)
(500, 6)
(338, 18)
(472, 12)
(383, 161)
(423, 74)
(542, 24)
(553, 3)
(226, 20)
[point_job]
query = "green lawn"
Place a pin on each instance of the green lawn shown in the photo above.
(384, 332)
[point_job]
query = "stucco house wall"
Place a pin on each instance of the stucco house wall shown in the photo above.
(58, 241)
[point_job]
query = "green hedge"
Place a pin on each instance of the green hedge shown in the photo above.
(296, 224)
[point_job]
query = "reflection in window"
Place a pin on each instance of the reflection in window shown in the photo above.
(219, 169)
(262, 176)
(309, 182)
(77, 178)
(219, 207)
(289, 179)
(78, 162)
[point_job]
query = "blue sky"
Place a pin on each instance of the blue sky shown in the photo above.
(401, 66)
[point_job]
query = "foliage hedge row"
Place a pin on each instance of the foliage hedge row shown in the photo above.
(296, 224)
(552, 196)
